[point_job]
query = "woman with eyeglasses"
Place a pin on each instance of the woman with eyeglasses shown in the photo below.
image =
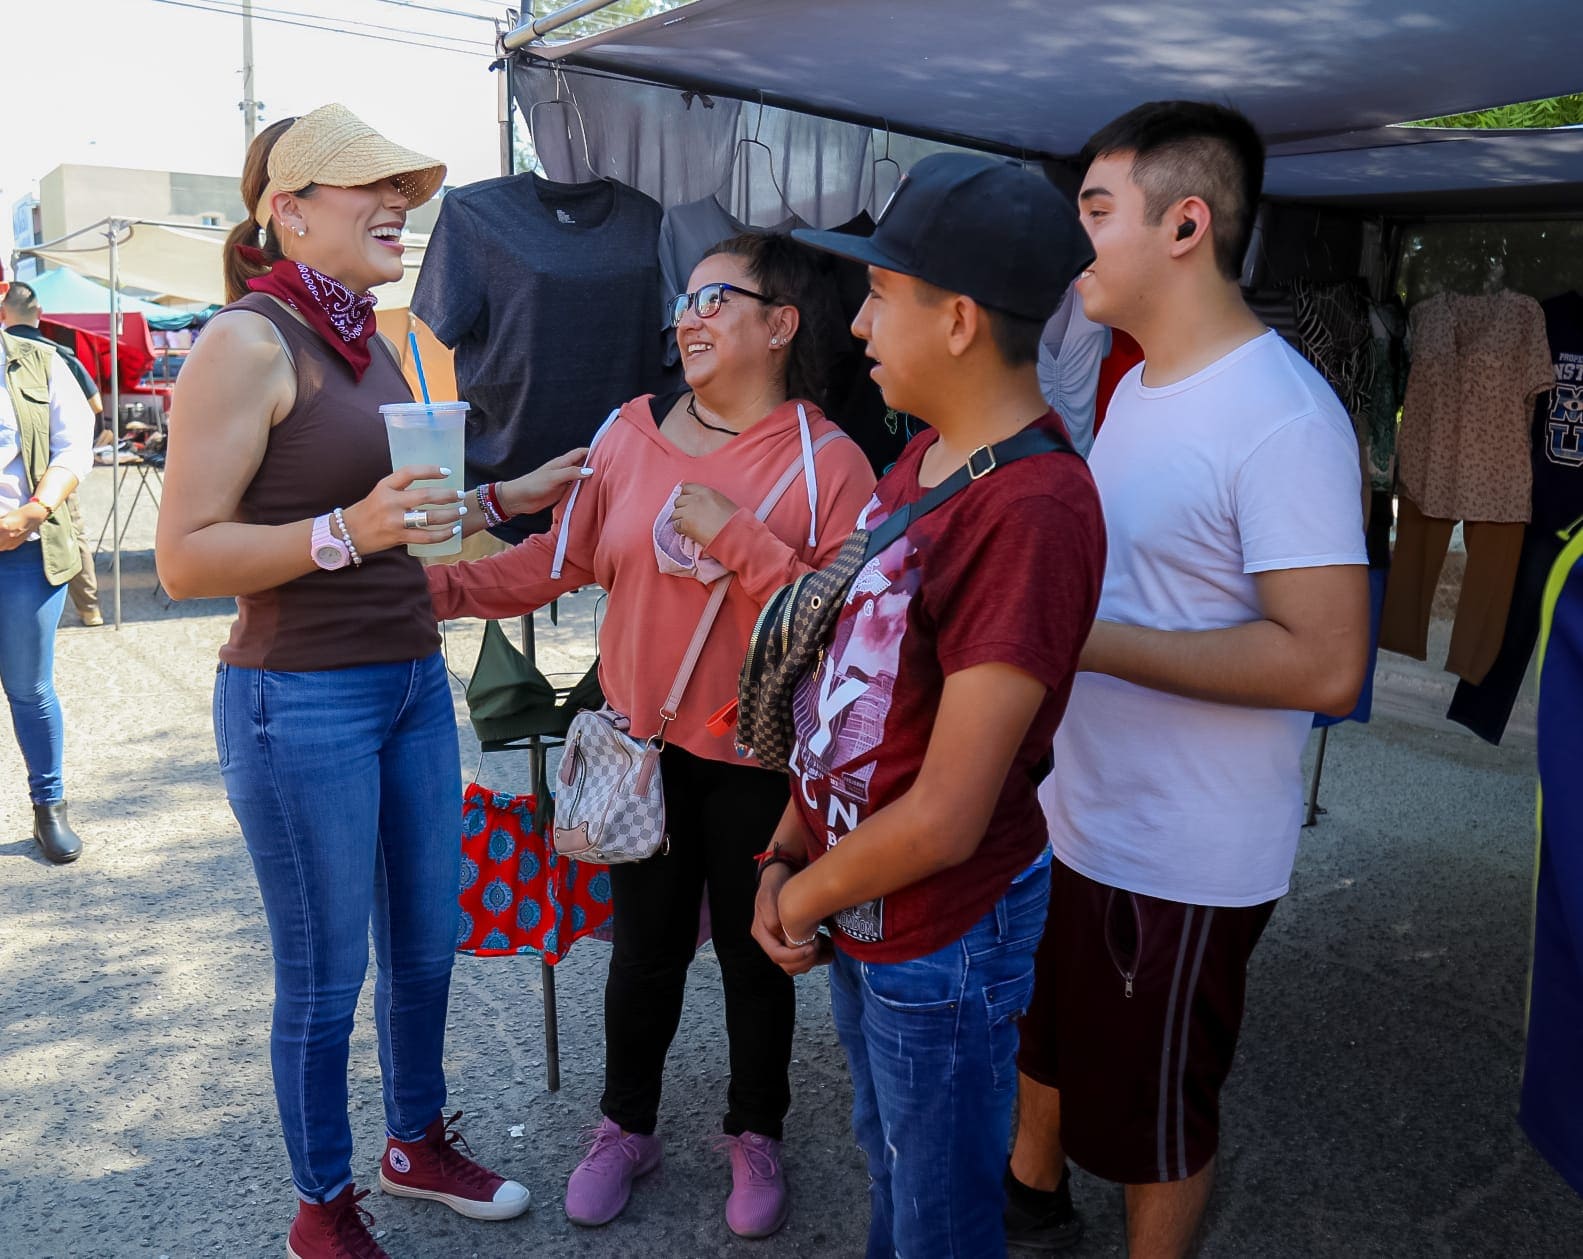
(668, 508)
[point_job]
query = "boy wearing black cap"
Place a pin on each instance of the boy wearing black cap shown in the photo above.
(922, 733)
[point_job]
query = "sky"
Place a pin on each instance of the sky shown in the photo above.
(141, 83)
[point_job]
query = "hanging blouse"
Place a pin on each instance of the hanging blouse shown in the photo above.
(1478, 364)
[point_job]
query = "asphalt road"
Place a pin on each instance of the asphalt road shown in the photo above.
(1370, 1114)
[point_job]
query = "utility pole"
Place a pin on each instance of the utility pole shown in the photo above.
(248, 105)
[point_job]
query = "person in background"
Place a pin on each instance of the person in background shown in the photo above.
(668, 509)
(1235, 606)
(333, 717)
(46, 448)
(20, 315)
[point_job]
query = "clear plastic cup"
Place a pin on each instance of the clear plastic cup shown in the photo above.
(429, 433)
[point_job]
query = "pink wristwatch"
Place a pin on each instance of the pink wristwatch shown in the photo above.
(329, 552)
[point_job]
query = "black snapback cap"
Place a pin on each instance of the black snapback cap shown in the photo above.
(981, 226)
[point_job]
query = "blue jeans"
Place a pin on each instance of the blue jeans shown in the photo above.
(29, 614)
(347, 787)
(932, 1044)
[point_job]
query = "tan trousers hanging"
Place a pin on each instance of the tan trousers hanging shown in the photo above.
(1421, 544)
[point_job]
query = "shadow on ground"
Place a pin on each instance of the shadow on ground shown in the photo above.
(1370, 1114)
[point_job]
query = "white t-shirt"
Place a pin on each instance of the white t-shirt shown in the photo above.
(1248, 466)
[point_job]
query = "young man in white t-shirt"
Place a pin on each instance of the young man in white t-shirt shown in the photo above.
(1235, 605)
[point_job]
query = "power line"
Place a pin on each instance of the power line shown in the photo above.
(429, 8)
(474, 48)
(339, 22)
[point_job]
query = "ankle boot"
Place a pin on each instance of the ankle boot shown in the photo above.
(54, 833)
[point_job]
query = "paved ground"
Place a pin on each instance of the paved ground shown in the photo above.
(1370, 1113)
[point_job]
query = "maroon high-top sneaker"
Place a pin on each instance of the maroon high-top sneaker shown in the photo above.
(339, 1229)
(434, 1167)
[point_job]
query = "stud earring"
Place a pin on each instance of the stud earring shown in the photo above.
(775, 342)
(301, 231)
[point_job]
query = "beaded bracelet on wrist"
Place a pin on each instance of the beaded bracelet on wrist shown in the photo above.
(346, 537)
(490, 520)
(490, 490)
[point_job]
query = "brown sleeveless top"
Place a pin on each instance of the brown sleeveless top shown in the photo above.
(328, 452)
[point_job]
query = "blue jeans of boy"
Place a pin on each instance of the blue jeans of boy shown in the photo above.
(29, 613)
(932, 1045)
(347, 787)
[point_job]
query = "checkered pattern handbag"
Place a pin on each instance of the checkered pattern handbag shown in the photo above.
(610, 807)
(611, 804)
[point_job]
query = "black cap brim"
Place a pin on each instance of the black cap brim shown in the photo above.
(853, 248)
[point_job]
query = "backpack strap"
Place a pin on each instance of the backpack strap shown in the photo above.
(1031, 441)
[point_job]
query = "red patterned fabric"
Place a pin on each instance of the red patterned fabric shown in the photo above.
(518, 895)
(343, 318)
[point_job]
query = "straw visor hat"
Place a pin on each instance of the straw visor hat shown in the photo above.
(333, 146)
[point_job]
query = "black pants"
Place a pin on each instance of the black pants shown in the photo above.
(1486, 708)
(719, 816)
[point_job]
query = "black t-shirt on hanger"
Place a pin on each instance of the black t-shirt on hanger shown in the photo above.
(1558, 419)
(547, 293)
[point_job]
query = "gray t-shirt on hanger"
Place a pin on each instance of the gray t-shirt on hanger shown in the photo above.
(546, 292)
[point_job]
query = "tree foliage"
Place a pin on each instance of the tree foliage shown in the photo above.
(1557, 111)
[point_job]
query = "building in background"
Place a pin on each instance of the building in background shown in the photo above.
(74, 197)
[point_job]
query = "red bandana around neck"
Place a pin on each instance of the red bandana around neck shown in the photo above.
(343, 318)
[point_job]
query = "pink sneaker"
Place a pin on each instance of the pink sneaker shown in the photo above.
(338, 1229)
(433, 1167)
(758, 1204)
(601, 1184)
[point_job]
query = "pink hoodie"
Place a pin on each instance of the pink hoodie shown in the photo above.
(651, 615)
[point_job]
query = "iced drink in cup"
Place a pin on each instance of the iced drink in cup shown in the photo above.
(429, 433)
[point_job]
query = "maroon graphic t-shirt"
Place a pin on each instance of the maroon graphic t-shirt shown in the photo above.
(1006, 571)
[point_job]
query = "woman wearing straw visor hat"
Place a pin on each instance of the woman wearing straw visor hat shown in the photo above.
(333, 718)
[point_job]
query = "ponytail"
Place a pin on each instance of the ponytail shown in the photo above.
(255, 178)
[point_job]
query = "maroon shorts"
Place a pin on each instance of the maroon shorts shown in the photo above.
(1136, 1007)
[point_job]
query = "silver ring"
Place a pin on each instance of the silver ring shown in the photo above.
(417, 518)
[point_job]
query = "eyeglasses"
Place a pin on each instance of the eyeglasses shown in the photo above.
(708, 300)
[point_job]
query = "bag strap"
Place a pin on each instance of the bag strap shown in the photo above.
(717, 594)
(1031, 441)
(559, 561)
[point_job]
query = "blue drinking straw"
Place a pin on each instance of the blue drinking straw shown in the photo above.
(417, 361)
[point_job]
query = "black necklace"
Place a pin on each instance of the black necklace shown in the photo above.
(692, 410)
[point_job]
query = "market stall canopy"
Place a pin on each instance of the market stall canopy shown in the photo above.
(1040, 76)
(182, 260)
(62, 291)
(1413, 171)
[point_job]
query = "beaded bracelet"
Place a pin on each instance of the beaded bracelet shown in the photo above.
(483, 507)
(346, 537)
(491, 491)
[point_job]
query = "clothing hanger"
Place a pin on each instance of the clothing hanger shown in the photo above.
(567, 102)
(754, 142)
(883, 159)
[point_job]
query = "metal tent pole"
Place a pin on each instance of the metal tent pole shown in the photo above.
(1311, 818)
(508, 160)
(538, 754)
(538, 27)
(115, 412)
